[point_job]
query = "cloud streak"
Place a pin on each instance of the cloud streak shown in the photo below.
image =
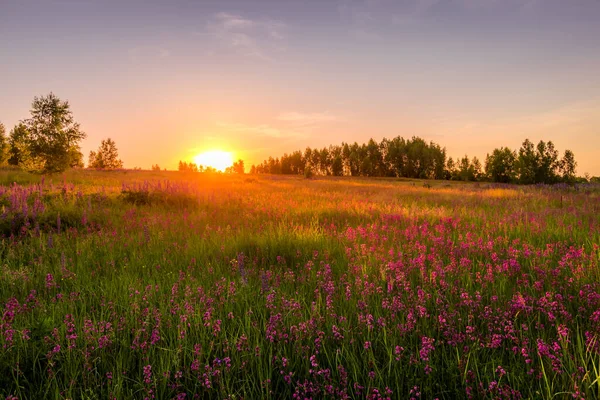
(249, 37)
(306, 118)
(287, 125)
(262, 130)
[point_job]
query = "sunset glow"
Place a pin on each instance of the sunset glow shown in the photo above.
(275, 77)
(217, 159)
(284, 199)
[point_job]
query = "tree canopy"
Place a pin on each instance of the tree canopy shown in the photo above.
(3, 145)
(52, 136)
(416, 158)
(107, 156)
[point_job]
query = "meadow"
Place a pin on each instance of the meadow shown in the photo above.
(165, 285)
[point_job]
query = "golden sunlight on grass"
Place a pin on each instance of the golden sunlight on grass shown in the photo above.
(217, 159)
(501, 193)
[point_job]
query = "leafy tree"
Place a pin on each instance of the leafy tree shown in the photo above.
(19, 153)
(568, 165)
(75, 157)
(236, 168)
(547, 163)
(395, 155)
(500, 165)
(526, 165)
(451, 170)
(415, 158)
(475, 169)
(537, 164)
(337, 166)
(107, 156)
(324, 162)
(297, 162)
(155, 167)
(52, 133)
(469, 170)
(375, 156)
(286, 165)
(438, 158)
(3, 145)
(16, 144)
(464, 169)
(308, 173)
(187, 167)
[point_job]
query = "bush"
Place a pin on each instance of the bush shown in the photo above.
(156, 197)
(308, 173)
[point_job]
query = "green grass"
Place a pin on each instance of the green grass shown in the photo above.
(211, 267)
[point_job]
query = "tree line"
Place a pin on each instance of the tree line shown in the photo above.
(416, 158)
(236, 168)
(49, 141)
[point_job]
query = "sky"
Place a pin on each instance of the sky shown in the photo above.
(168, 80)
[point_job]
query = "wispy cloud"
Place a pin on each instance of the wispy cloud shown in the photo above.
(578, 120)
(249, 37)
(262, 130)
(289, 125)
(361, 17)
(306, 118)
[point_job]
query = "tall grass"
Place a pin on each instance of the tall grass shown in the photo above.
(161, 285)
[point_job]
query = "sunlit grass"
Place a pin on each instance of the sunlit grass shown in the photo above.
(347, 280)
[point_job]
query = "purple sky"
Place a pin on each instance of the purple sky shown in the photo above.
(170, 79)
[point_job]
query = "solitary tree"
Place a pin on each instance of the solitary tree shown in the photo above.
(51, 134)
(107, 156)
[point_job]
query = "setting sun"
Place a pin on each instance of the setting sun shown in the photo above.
(219, 160)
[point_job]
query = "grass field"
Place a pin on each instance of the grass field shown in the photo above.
(165, 285)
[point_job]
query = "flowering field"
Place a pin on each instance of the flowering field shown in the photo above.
(164, 285)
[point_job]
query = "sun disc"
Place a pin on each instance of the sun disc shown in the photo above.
(219, 160)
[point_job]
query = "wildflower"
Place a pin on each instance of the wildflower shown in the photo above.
(50, 284)
(148, 374)
(426, 347)
(500, 371)
(563, 331)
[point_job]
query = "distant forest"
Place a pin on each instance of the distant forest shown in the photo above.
(415, 158)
